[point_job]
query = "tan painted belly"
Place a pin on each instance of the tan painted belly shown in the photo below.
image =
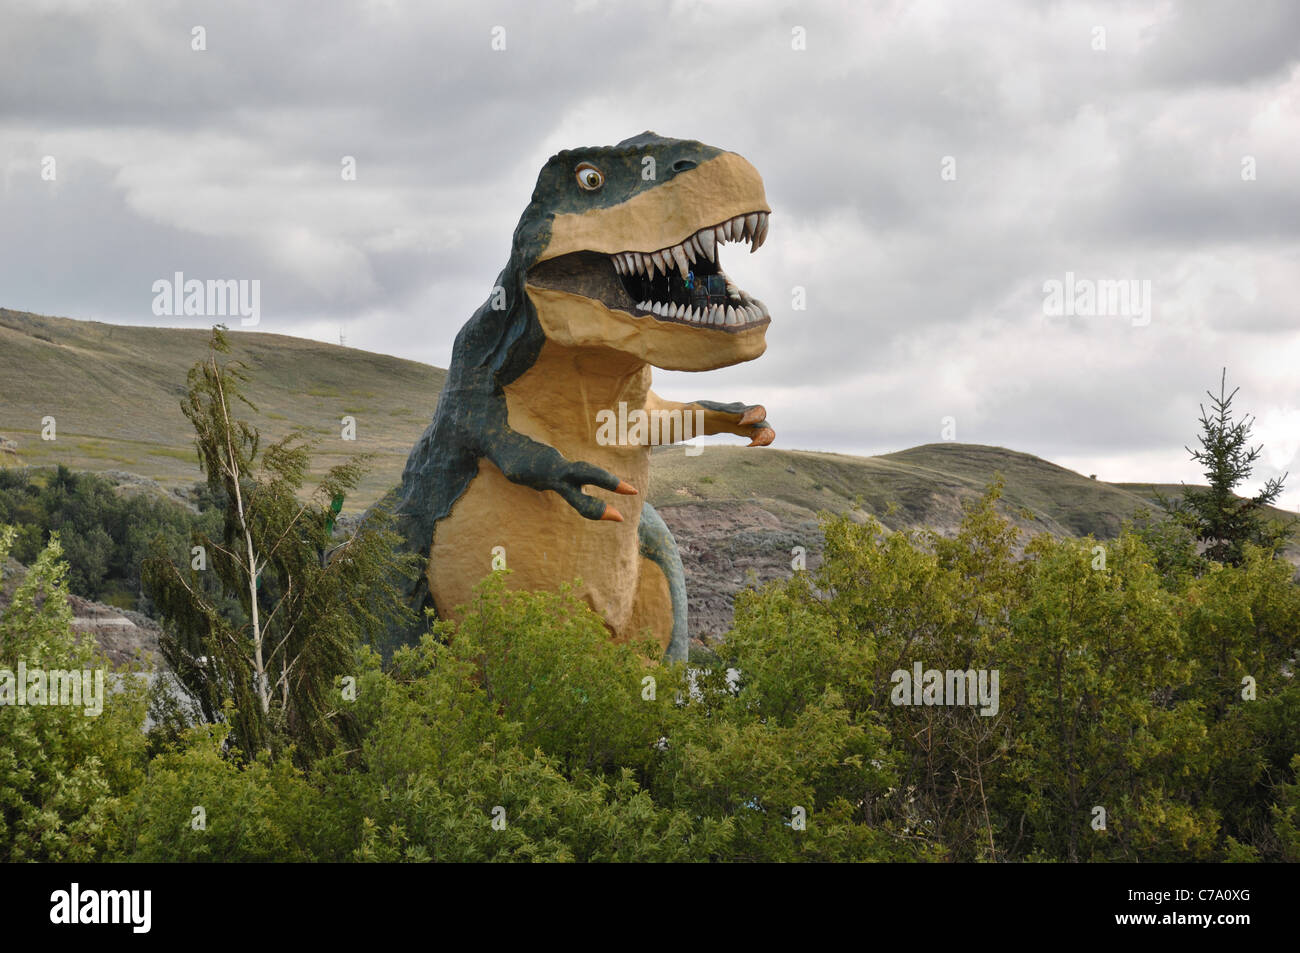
(546, 542)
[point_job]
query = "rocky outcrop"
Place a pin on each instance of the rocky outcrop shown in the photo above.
(727, 546)
(122, 635)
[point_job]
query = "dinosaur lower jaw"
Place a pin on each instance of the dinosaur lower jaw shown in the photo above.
(682, 284)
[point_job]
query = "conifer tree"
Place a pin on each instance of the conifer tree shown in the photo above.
(1223, 521)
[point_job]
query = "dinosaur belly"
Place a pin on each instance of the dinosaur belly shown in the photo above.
(544, 543)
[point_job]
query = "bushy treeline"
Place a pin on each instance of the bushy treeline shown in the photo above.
(105, 535)
(1147, 711)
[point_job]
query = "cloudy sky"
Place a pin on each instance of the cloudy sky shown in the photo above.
(932, 168)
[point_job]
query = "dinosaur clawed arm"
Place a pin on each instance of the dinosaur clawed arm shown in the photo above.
(744, 420)
(530, 463)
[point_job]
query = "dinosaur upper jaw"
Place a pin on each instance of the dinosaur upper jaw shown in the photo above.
(645, 276)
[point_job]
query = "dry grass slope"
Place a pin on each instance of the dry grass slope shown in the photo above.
(115, 394)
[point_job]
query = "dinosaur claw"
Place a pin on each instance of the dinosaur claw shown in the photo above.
(627, 489)
(611, 514)
(762, 438)
(753, 415)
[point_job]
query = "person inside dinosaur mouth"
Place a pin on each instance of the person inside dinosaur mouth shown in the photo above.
(683, 283)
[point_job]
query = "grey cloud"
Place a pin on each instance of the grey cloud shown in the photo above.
(924, 295)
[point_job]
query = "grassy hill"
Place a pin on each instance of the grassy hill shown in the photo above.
(736, 512)
(921, 486)
(115, 394)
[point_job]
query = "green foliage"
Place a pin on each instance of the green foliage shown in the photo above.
(1118, 691)
(61, 768)
(1286, 816)
(105, 535)
(1093, 666)
(520, 732)
(201, 803)
(292, 604)
(545, 662)
(442, 758)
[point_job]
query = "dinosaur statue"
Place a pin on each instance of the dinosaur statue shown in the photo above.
(614, 267)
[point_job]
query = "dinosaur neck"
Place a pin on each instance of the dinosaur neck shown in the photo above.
(557, 400)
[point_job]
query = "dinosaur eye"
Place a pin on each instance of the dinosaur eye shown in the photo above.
(589, 177)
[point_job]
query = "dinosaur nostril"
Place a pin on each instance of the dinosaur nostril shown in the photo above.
(681, 165)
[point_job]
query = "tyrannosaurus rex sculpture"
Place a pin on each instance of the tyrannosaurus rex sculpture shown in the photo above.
(614, 267)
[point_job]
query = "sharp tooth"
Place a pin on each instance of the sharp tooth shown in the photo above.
(619, 265)
(721, 233)
(731, 315)
(762, 230)
(629, 264)
(688, 247)
(693, 314)
(649, 262)
(707, 242)
(661, 261)
(751, 224)
(716, 316)
(679, 256)
(657, 308)
(672, 309)
(643, 306)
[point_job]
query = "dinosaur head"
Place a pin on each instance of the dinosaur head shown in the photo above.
(622, 248)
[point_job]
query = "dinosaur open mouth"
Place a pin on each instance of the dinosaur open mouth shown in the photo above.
(681, 284)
